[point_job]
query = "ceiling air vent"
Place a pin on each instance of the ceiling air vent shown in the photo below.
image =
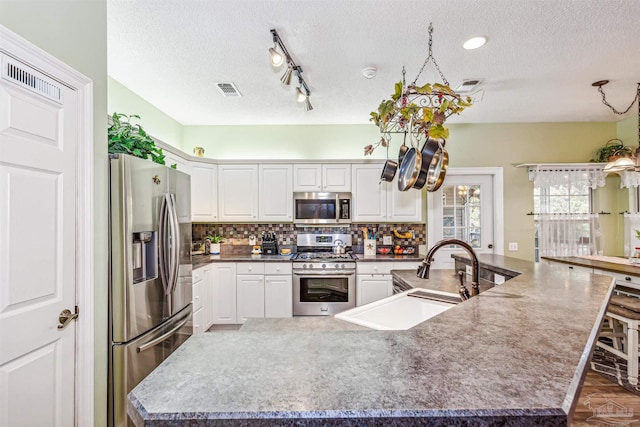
(468, 85)
(30, 79)
(228, 89)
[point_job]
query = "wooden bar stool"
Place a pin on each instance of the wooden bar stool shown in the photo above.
(623, 317)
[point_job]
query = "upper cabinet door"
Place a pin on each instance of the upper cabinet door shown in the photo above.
(181, 164)
(276, 193)
(403, 206)
(238, 193)
(336, 178)
(307, 177)
(322, 178)
(369, 198)
(204, 192)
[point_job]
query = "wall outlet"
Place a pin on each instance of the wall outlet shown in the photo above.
(469, 270)
(513, 246)
(387, 240)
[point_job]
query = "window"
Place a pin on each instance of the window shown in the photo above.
(564, 224)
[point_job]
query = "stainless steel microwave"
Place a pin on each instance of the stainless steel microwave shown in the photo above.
(322, 208)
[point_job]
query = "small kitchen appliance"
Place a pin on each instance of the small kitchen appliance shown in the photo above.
(323, 277)
(269, 244)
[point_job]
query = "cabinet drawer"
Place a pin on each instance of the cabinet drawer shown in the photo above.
(407, 265)
(277, 268)
(196, 275)
(250, 268)
(382, 267)
(196, 295)
(622, 279)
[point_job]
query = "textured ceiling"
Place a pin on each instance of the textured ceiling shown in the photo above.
(538, 65)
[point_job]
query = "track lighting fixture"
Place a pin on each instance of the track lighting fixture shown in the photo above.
(277, 59)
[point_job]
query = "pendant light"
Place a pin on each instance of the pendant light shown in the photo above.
(624, 161)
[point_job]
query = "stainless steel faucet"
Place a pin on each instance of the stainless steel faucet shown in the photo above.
(423, 269)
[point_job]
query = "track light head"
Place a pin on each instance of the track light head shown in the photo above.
(300, 96)
(276, 58)
(307, 105)
(286, 77)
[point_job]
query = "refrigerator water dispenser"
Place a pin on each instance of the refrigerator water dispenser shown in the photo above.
(145, 256)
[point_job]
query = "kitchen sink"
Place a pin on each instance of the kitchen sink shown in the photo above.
(401, 311)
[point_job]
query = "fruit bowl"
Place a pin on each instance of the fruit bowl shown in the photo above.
(383, 251)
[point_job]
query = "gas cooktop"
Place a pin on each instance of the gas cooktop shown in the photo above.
(322, 256)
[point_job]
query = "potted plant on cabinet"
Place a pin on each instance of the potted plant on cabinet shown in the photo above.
(128, 138)
(214, 243)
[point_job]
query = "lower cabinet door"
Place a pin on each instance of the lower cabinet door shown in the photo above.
(373, 287)
(278, 296)
(223, 297)
(198, 321)
(250, 296)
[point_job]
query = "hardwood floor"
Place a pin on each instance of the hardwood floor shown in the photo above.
(598, 391)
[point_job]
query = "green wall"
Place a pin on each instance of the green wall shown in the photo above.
(76, 33)
(155, 122)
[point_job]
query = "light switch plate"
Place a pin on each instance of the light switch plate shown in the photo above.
(387, 240)
(513, 246)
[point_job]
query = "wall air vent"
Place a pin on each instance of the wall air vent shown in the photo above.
(468, 85)
(30, 79)
(228, 89)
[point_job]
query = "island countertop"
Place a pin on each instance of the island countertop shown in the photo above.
(514, 355)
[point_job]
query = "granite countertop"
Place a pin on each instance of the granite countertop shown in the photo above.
(514, 355)
(606, 263)
(202, 260)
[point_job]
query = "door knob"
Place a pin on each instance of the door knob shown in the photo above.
(490, 246)
(66, 317)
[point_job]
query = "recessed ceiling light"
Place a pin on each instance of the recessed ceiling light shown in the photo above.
(369, 72)
(474, 42)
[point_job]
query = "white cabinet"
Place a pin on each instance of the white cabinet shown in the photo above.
(202, 298)
(181, 164)
(237, 193)
(621, 279)
(278, 290)
(204, 192)
(377, 201)
(275, 201)
(322, 177)
(224, 292)
(373, 281)
(250, 296)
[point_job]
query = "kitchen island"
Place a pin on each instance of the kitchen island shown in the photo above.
(514, 355)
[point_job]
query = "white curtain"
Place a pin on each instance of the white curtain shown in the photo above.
(631, 226)
(629, 179)
(569, 234)
(563, 233)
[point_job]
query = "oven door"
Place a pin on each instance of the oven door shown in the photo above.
(322, 294)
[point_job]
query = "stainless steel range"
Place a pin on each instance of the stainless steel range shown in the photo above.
(324, 272)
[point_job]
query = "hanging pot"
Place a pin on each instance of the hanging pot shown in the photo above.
(410, 167)
(438, 170)
(403, 149)
(429, 153)
(389, 168)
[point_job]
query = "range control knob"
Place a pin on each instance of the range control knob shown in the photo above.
(304, 266)
(324, 265)
(337, 266)
(343, 266)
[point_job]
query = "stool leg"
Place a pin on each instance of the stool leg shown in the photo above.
(632, 351)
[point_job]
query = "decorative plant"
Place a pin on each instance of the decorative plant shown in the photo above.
(215, 238)
(611, 150)
(421, 110)
(128, 138)
(638, 234)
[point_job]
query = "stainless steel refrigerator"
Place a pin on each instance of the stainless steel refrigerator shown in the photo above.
(150, 272)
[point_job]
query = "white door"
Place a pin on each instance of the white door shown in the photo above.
(275, 199)
(38, 214)
(463, 208)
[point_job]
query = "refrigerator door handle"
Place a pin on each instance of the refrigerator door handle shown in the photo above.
(175, 243)
(162, 337)
(164, 246)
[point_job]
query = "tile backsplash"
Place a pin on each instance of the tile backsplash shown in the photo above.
(238, 234)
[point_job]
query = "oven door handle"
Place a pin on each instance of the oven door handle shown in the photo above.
(328, 273)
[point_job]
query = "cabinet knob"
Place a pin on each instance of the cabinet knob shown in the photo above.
(627, 278)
